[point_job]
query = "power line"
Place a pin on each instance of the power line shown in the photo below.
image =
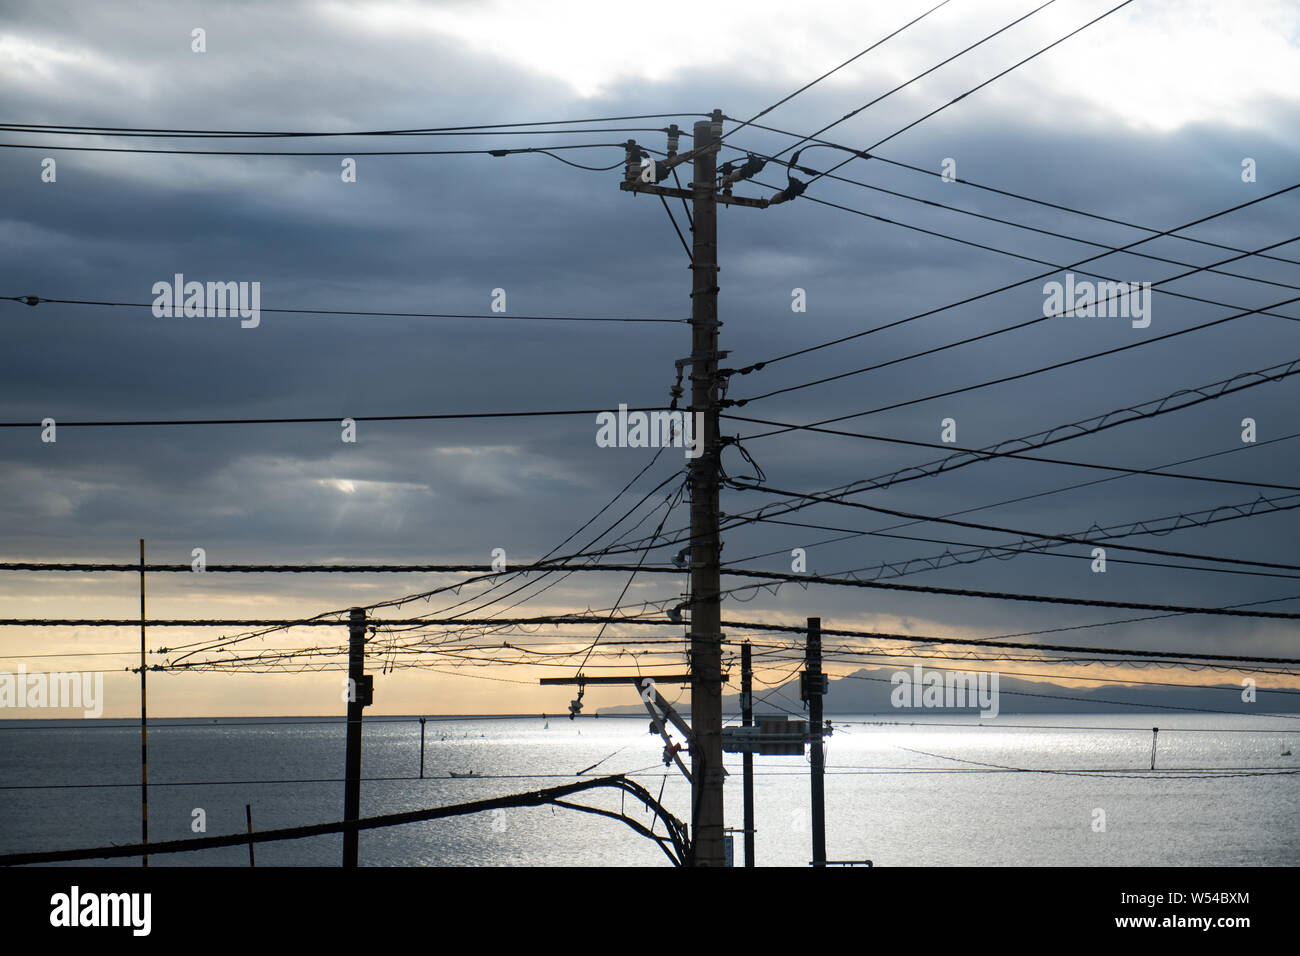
(325, 568)
(1009, 595)
(1089, 426)
(668, 503)
(322, 721)
(36, 300)
(416, 131)
(899, 569)
(809, 85)
(1021, 325)
(137, 133)
(280, 782)
(1156, 233)
(508, 151)
(761, 627)
(278, 660)
(919, 76)
(1010, 222)
(401, 601)
(456, 622)
(1124, 653)
(978, 87)
(983, 642)
(1030, 497)
(627, 584)
(1152, 472)
(1006, 501)
(1032, 372)
(1201, 518)
(1144, 410)
(1088, 727)
(1056, 267)
(675, 840)
(856, 335)
(985, 657)
(1242, 511)
(1130, 620)
(585, 551)
(987, 641)
(447, 416)
(1207, 773)
(296, 780)
(311, 622)
(1038, 371)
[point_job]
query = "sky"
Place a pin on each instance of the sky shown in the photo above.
(1159, 114)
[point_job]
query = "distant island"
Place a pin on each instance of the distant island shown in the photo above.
(867, 691)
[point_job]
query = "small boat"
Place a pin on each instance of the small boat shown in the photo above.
(467, 773)
(1286, 751)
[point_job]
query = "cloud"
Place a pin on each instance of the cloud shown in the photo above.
(1144, 118)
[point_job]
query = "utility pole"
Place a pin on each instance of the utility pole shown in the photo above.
(814, 686)
(705, 634)
(248, 816)
(706, 607)
(747, 720)
(360, 694)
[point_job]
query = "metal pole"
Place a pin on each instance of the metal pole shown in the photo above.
(747, 720)
(421, 748)
(248, 815)
(144, 725)
(356, 701)
(814, 691)
(708, 847)
(1155, 735)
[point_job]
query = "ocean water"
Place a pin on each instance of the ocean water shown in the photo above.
(925, 792)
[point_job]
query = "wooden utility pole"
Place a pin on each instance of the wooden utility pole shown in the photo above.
(360, 693)
(706, 611)
(814, 688)
(705, 634)
(747, 720)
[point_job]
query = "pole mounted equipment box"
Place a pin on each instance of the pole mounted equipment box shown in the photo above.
(773, 737)
(782, 737)
(819, 685)
(366, 690)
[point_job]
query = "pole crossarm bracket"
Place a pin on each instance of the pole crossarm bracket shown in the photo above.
(666, 708)
(689, 156)
(671, 750)
(640, 187)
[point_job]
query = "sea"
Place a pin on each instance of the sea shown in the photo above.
(1037, 790)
